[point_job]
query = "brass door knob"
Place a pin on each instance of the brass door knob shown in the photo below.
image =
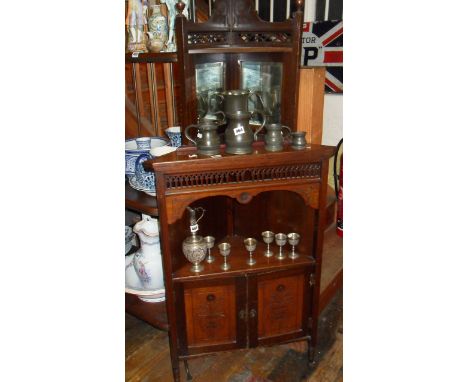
(253, 313)
(242, 314)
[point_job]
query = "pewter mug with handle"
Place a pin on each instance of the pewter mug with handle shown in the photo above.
(207, 141)
(274, 137)
(237, 100)
(238, 135)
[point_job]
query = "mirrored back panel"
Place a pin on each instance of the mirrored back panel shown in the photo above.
(210, 79)
(264, 79)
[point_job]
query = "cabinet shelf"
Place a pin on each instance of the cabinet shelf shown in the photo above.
(164, 57)
(238, 261)
(140, 202)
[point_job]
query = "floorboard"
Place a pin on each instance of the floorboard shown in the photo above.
(148, 360)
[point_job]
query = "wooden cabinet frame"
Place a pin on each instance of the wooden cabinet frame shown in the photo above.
(235, 32)
(243, 195)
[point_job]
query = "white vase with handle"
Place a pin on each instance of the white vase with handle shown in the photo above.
(147, 260)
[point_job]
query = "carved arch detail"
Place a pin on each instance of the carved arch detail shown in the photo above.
(309, 194)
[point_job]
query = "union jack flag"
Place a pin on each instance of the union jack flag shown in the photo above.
(322, 45)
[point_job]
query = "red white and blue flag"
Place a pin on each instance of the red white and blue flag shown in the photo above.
(322, 45)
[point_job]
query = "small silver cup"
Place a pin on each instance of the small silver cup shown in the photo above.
(209, 240)
(268, 238)
(293, 240)
(280, 239)
(225, 250)
(250, 244)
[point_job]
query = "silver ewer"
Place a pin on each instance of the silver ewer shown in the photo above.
(194, 248)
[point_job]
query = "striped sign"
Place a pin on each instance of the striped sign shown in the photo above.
(322, 45)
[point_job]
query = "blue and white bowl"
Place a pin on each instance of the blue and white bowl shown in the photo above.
(132, 152)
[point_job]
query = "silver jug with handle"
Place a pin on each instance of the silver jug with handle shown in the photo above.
(207, 138)
(194, 246)
(274, 137)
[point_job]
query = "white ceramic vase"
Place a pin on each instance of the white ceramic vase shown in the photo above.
(147, 260)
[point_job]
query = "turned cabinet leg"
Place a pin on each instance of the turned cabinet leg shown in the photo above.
(187, 371)
(310, 352)
(176, 373)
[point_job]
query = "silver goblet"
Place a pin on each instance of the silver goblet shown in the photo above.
(209, 240)
(250, 245)
(225, 249)
(293, 240)
(268, 238)
(280, 239)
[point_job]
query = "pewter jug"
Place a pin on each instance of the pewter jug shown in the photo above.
(237, 100)
(298, 140)
(207, 140)
(274, 136)
(194, 247)
(238, 135)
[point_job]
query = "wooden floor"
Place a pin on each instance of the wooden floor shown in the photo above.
(147, 356)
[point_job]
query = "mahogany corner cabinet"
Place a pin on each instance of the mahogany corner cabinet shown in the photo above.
(273, 301)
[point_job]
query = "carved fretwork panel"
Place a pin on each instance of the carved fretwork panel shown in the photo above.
(210, 315)
(209, 178)
(271, 37)
(280, 303)
(206, 38)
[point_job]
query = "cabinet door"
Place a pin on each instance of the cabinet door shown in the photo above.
(211, 315)
(279, 306)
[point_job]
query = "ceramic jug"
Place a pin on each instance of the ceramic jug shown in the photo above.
(144, 180)
(274, 136)
(131, 277)
(147, 260)
(207, 140)
(238, 135)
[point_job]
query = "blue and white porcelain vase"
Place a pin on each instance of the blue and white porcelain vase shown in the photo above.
(147, 260)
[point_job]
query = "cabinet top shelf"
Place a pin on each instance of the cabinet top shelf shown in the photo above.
(171, 163)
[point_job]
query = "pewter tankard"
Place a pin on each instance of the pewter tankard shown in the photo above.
(274, 136)
(238, 135)
(237, 100)
(207, 141)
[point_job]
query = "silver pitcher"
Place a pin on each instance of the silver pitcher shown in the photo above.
(194, 246)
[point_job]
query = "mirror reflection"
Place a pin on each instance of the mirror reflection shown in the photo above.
(264, 79)
(209, 79)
